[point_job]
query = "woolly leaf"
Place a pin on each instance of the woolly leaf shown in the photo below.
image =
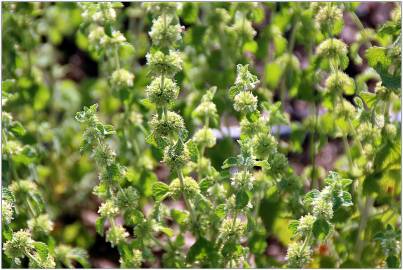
(160, 191)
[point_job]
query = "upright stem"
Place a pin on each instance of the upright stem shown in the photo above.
(359, 244)
(314, 182)
(187, 203)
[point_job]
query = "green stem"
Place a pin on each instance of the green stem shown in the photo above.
(314, 182)
(359, 244)
(187, 203)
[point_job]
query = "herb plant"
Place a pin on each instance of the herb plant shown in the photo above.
(207, 135)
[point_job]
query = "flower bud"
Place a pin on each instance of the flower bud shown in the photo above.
(245, 102)
(205, 137)
(122, 78)
(298, 255)
(108, 209)
(167, 64)
(190, 187)
(116, 235)
(162, 94)
(40, 225)
(164, 34)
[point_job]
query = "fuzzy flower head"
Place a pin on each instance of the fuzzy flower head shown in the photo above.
(329, 18)
(206, 109)
(167, 64)
(333, 51)
(232, 230)
(322, 208)
(116, 235)
(7, 211)
(98, 12)
(218, 16)
(205, 137)
(97, 36)
(164, 33)
(22, 190)
(40, 225)
(245, 102)
(243, 27)
(122, 78)
(108, 209)
(339, 82)
(162, 91)
(190, 187)
(176, 156)
(20, 244)
(127, 197)
(242, 180)
(169, 126)
(251, 128)
(159, 8)
(133, 261)
(264, 145)
(298, 255)
(278, 163)
(305, 224)
(117, 38)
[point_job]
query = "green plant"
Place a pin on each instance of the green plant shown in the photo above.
(214, 135)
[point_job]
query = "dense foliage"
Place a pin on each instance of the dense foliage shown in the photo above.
(210, 135)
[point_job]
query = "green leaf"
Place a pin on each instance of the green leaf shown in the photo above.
(310, 196)
(202, 249)
(205, 184)
(220, 210)
(321, 228)
(273, 72)
(160, 191)
(230, 162)
(193, 150)
(241, 199)
(392, 261)
(17, 129)
(42, 250)
(293, 225)
(167, 231)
